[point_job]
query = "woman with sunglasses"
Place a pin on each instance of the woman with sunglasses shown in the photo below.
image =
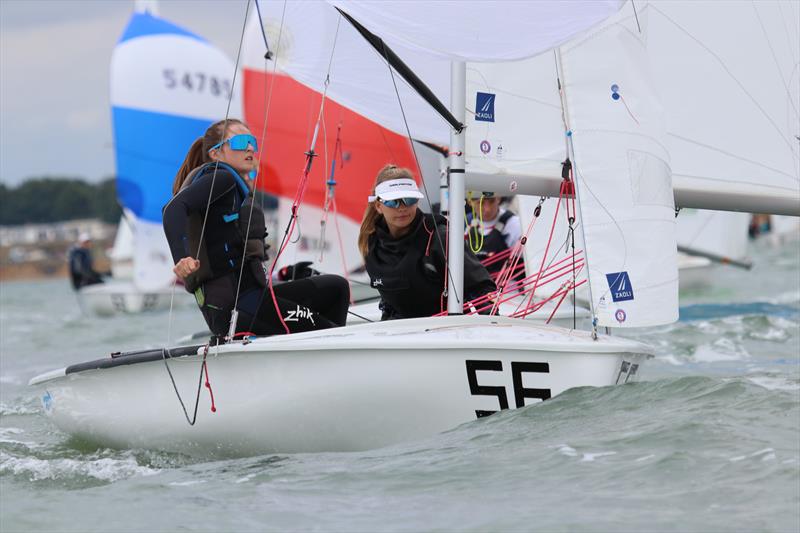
(403, 249)
(216, 237)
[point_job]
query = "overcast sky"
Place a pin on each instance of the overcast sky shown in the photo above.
(55, 117)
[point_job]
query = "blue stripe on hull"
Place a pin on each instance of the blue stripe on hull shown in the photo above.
(150, 148)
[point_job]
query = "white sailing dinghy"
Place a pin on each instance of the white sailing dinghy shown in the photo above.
(370, 385)
(167, 86)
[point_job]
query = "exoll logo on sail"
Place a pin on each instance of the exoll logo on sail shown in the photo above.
(484, 107)
(619, 283)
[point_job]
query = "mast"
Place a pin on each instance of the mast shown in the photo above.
(455, 237)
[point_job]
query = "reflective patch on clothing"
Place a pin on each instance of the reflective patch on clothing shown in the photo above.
(199, 296)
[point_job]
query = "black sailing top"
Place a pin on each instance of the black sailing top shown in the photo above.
(409, 272)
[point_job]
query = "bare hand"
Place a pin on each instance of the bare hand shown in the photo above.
(185, 267)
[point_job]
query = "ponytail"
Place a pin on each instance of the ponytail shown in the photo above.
(193, 159)
(367, 228)
(198, 153)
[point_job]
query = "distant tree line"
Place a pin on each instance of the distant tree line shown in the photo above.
(56, 199)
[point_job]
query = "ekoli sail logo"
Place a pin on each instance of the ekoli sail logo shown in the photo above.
(484, 107)
(620, 285)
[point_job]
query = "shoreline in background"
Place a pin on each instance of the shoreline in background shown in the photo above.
(39, 251)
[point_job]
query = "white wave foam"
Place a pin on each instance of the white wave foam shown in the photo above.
(720, 350)
(569, 451)
(767, 453)
(588, 457)
(187, 483)
(774, 383)
(645, 458)
(6, 409)
(104, 469)
(670, 359)
(10, 380)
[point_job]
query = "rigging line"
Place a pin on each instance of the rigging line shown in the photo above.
(365, 319)
(264, 33)
(192, 420)
(299, 194)
(169, 317)
(500, 90)
(775, 58)
(419, 168)
(258, 168)
(635, 14)
(263, 136)
(271, 83)
(586, 187)
(729, 154)
(734, 78)
(224, 126)
(786, 29)
(386, 142)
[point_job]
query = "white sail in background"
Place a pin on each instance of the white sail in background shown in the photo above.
(121, 254)
(718, 233)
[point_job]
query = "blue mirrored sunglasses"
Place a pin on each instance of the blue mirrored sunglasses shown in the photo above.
(408, 202)
(239, 142)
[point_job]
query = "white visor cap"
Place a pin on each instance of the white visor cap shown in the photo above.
(396, 189)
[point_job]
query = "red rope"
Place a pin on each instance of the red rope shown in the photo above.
(208, 386)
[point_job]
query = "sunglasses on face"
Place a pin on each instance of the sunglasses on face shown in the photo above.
(393, 204)
(239, 142)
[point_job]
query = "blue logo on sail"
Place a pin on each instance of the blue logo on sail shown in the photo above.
(619, 283)
(484, 107)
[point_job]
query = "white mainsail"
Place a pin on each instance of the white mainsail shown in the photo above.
(731, 95)
(732, 92)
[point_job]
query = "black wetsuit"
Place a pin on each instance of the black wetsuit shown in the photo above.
(81, 272)
(409, 272)
(316, 302)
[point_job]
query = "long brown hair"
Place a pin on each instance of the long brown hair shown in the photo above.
(198, 152)
(371, 215)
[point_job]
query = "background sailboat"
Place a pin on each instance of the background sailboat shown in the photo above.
(167, 86)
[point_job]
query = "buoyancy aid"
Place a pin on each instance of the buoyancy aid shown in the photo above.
(234, 229)
(409, 271)
(493, 242)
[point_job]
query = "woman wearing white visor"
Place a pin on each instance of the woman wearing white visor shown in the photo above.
(403, 249)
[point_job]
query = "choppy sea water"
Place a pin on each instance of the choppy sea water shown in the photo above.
(707, 440)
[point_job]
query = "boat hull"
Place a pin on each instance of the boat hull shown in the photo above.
(346, 391)
(119, 297)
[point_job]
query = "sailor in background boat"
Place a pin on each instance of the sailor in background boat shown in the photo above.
(491, 227)
(81, 271)
(404, 250)
(213, 201)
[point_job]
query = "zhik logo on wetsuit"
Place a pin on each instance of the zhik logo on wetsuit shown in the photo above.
(295, 315)
(620, 285)
(484, 107)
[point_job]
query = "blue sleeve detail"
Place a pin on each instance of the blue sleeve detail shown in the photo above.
(230, 218)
